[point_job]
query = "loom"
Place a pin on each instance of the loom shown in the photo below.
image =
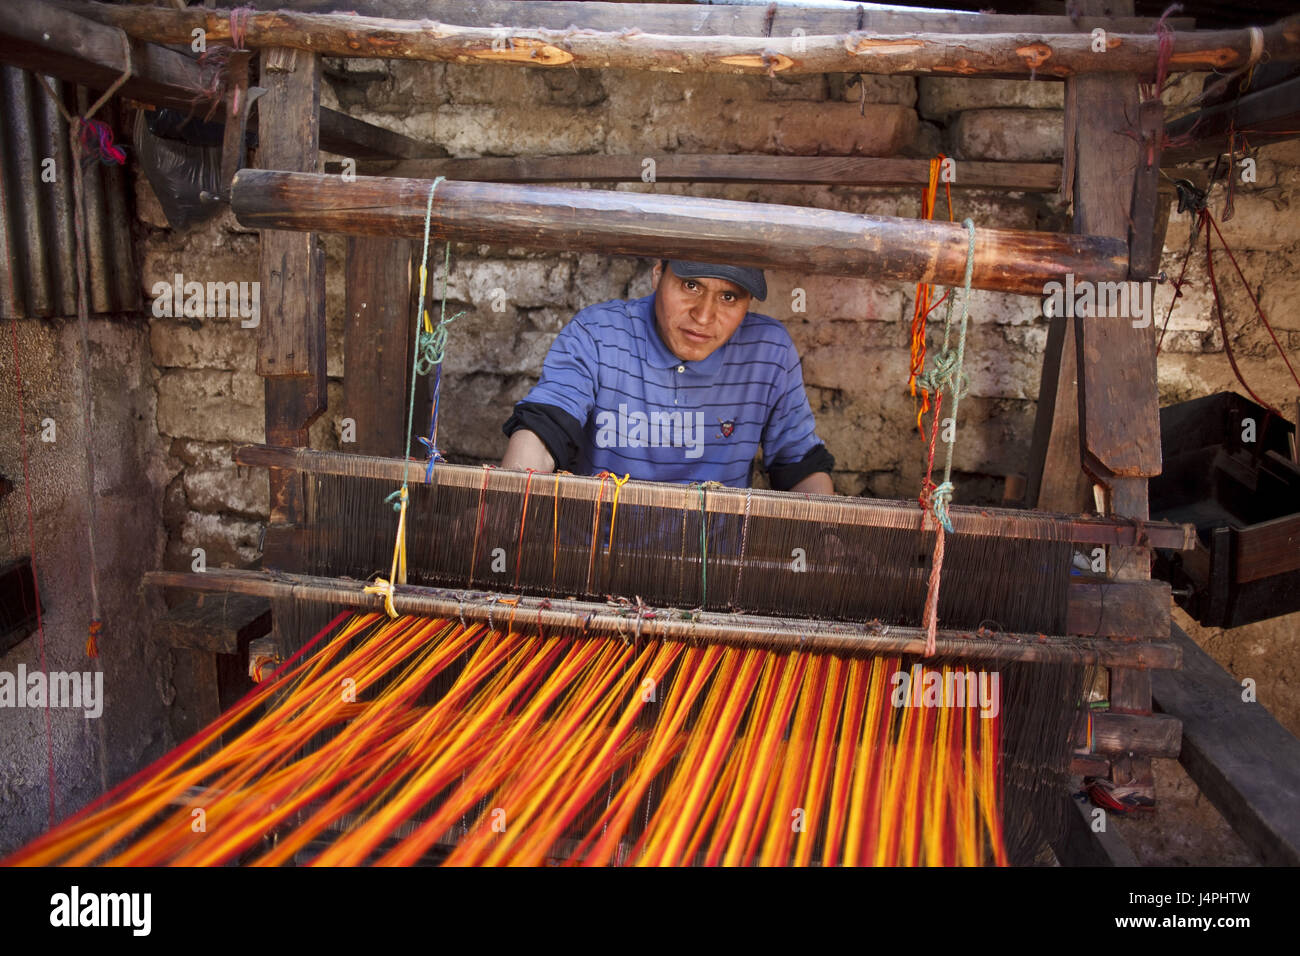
(602, 670)
(735, 696)
(641, 673)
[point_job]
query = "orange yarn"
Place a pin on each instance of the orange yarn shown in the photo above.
(921, 307)
(508, 748)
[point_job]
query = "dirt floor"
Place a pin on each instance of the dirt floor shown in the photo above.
(1186, 828)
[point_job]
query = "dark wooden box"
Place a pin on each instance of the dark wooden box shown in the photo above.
(1244, 498)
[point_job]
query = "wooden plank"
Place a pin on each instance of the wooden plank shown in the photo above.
(215, 623)
(51, 40)
(1145, 735)
(376, 344)
(1144, 247)
(615, 222)
(1056, 479)
(1081, 845)
(577, 46)
(1089, 765)
(1119, 418)
(1242, 759)
(347, 136)
(198, 697)
(1268, 548)
(715, 168)
(1119, 608)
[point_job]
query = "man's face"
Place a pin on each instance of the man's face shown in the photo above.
(696, 317)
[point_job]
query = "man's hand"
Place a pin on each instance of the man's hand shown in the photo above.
(526, 450)
(818, 483)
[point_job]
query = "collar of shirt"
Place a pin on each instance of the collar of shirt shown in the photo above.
(658, 354)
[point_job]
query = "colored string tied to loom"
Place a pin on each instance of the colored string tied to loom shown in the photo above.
(921, 307)
(945, 375)
(397, 574)
(430, 350)
(428, 337)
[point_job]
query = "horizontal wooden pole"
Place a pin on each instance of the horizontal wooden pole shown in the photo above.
(764, 235)
(731, 629)
(826, 509)
(708, 18)
(866, 171)
(46, 38)
(1016, 54)
(719, 168)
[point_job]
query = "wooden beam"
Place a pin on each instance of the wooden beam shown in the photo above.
(1146, 239)
(717, 168)
(289, 340)
(217, 624)
(1271, 115)
(291, 347)
(1082, 845)
(376, 344)
(1239, 755)
(1119, 409)
(857, 51)
(1132, 609)
(825, 509)
(46, 38)
(711, 230)
(1146, 735)
(714, 19)
(1056, 480)
(1119, 412)
(731, 629)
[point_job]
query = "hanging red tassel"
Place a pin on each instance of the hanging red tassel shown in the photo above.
(92, 642)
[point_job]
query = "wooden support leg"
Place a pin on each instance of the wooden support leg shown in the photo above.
(1119, 410)
(291, 343)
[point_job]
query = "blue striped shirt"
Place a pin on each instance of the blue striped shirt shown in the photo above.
(647, 413)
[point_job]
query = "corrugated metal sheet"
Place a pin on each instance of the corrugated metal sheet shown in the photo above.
(36, 225)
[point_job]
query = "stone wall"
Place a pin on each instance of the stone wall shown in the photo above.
(82, 755)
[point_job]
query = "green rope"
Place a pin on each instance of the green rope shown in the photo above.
(415, 359)
(947, 372)
(431, 347)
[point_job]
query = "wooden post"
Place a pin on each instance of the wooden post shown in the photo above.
(1119, 408)
(376, 344)
(291, 344)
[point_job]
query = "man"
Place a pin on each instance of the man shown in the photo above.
(683, 385)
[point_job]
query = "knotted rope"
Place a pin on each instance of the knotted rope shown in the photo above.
(945, 374)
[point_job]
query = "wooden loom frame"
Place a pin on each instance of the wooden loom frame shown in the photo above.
(292, 338)
(1082, 436)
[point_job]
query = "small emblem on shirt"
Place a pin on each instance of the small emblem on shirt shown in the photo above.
(727, 428)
